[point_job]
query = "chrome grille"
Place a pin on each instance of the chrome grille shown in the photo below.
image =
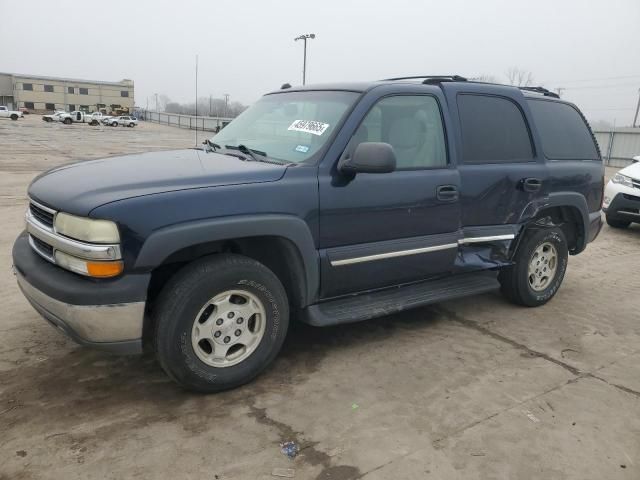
(42, 214)
(41, 247)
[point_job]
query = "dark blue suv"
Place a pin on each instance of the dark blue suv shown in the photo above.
(325, 204)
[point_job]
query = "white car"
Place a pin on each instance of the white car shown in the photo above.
(54, 117)
(622, 196)
(125, 121)
(12, 114)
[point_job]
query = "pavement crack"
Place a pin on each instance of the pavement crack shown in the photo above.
(615, 385)
(485, 331)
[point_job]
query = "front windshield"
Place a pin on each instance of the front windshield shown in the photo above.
(290, 127)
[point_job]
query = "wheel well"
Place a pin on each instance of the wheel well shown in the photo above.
(278, 254)
(569, 219)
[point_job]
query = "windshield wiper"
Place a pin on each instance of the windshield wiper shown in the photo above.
(256, 155)
(213, 146)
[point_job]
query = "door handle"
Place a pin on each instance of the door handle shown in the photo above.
(531, 184)
(447, 193)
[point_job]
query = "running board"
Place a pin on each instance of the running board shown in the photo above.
(391, 300)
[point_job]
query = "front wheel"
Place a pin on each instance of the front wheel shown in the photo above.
(540, 264)
(114, 124)
(617, 223)
(131, 124)
(67, 121)
(219, 322)
(14, 117)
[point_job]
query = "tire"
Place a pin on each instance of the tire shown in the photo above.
(14, 117)
(534, 290)
(617, 223)
(114, 124)
(67, 121)
(131, 125)
(93, 123)
(185, 304)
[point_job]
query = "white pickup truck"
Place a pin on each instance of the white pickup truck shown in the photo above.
(81, 117)
(12, 114)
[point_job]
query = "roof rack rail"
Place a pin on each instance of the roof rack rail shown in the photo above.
(540, 90)
(430, 78)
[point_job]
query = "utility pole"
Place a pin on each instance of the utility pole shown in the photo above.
(196, 100)
(305, 37)
(209, 104)
(635, 117)
(226, 104)
(560, 90)
(156, 102)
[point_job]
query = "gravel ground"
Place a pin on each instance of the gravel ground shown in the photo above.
(471, 389)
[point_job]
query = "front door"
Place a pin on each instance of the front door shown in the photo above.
(378, 230)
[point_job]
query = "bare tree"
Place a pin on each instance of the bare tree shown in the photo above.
(519, 77)
(485, 78)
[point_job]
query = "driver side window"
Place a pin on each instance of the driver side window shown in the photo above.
(412, 125)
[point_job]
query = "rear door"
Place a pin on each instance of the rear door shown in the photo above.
(503, 174)
(378, 230)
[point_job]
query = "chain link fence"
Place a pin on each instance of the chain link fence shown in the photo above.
(191, 122)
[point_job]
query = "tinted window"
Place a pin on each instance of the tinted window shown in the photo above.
(48, 88)
(493, 130)
(27, 86)
(563, 132)
(413, 127)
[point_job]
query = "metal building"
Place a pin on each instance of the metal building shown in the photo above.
(41, 94)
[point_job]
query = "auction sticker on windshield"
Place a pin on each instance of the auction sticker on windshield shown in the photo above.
(309, 126)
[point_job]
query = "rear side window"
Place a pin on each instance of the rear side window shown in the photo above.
(563, 132)
(493, 130)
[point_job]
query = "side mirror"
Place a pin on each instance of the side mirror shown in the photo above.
(635, 159)
(370, 157)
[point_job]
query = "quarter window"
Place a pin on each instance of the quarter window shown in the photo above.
(563, 132)
(48, 88)
(493, 130)
(27, 86)
(412, 125)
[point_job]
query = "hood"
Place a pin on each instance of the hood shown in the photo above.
(81, 187)
(632, 171)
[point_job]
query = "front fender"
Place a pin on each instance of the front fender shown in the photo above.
(164, 242)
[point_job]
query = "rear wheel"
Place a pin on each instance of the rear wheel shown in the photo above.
(540, 265)
(67, 121)
(114, 124)
(617, 223)
(131, 124)
(219, 322)
(14, 117)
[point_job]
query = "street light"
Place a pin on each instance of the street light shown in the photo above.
(305, 37)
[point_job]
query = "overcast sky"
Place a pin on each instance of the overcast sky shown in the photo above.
(591, 48)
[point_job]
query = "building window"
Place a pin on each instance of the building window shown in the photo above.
(27, 86)
(29, 105)
(84, 91)
(72, 107)
(49, 106)
(71, 90)
(124, 93)
(84, 108)
(48, 88)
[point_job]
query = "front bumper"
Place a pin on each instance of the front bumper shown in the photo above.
(104, 314)
(625, 206)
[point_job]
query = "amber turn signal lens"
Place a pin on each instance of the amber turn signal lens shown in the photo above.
(104, 269)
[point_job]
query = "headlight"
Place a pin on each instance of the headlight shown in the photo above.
(87, 229)
(622, 180)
